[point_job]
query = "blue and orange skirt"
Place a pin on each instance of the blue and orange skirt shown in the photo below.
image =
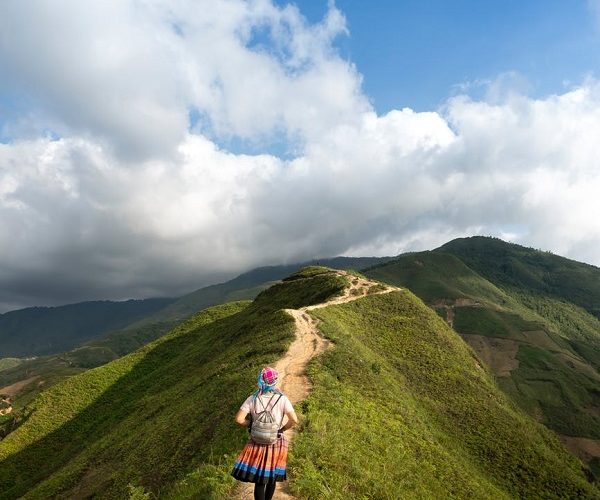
(262, 463)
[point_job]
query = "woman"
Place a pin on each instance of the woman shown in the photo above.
(265, 464)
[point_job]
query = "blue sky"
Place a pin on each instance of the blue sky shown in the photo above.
(413, 53)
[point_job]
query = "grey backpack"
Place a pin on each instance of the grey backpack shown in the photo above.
(264, 427)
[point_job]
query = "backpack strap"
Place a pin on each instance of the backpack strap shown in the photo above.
(265, 409)
(282, 413)
(268, 403)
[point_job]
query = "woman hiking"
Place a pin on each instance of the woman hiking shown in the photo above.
(263, 461)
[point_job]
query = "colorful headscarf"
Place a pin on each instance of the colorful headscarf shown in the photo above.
(266, 381)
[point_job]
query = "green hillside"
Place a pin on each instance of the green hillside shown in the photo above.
(543, 350)
(148, 416)
(510, 265)
(433, 277)
(37, 331)
(399, 408)
(409, 392)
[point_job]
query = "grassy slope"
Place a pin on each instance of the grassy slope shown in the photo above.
(574, 324)
(510, 265)
(432, 278)
(400, 409)
(565, 292)
(150, 416)
(557, 377)
(54, 368)
(555, 380)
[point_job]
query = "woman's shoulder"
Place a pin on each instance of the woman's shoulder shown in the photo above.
(284, 399)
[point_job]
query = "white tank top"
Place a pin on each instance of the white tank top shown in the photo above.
(280, 406)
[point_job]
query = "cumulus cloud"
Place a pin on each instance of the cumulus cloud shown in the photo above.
(120, 185)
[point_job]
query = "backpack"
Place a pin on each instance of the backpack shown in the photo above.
(264, 427)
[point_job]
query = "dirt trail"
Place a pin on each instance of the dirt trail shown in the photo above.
(308, 344)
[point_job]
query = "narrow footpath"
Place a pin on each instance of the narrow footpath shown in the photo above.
(309, 343)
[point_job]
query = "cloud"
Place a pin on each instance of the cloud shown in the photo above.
(127, 198)
(127, 74)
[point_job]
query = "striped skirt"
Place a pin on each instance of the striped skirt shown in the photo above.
(262, 463)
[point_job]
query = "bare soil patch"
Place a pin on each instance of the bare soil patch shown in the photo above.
(13, 389)
(498, 354)
(583, 448)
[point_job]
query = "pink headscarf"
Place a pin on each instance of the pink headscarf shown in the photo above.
(267, 379)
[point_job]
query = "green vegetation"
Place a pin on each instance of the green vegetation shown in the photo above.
(556, 374)
(247, 286)
(159, 418)
(432, 276)
(400, 405)
(561, 393)
(580, 329)
(141, 417)
(49, 370)
(507, 264)
(493, 323)
(400, 409)
(306, 287)
(117, 344)
(54, 368)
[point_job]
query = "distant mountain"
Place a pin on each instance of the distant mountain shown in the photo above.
(511, 265)
(247, 286)
(400, 408)
(507, 304)
(36, 331)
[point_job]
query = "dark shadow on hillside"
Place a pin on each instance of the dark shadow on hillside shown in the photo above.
(149, 377)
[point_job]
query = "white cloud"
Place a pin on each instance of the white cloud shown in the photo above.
(130, 202)
(128, 73)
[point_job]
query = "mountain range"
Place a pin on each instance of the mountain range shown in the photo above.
(476, 385)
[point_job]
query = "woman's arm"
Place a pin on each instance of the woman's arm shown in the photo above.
(240, 418)
(292, 420)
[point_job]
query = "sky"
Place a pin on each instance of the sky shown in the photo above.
(148, 148)
(418, 54)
